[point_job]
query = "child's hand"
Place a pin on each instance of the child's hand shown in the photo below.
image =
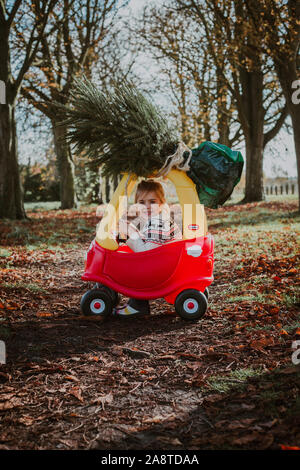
(133, 231)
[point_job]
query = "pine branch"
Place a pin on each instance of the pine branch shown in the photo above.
(120, 130)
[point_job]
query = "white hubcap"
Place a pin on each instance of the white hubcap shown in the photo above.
(190, 305)
(97, 306)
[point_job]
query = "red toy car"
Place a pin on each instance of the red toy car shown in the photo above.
(179, 271)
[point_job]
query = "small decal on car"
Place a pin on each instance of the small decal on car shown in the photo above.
(194, 250)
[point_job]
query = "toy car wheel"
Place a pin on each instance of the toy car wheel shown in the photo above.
(114, 295)
(96, 302)
(206, 292)
(191, 304)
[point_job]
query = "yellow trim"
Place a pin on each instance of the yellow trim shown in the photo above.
(192, 211)
(113, 212)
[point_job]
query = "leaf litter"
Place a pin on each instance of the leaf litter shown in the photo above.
(226, 382)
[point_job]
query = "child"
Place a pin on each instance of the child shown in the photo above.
(152, 228)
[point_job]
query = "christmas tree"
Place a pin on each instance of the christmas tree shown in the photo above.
(124, 132)
(119, 130)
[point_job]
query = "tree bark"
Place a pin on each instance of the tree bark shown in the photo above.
(222, 112)
(295, 117)
(65, 167)
(252, 83)
(11, 203)
(287, 74)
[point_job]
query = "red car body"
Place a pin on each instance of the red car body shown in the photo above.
(163, 272)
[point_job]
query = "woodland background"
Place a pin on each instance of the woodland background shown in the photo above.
(226, 71)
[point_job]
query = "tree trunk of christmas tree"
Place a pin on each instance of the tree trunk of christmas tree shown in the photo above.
(11, 201)
(65, 167)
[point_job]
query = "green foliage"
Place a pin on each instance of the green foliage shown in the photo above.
(236, 379)
(87, 182)
(39, 183)
(119, 130)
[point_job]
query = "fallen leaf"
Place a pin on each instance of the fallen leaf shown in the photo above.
(72, 377)
(77, 393)
(160, 418)
(261, 343)
(269, 424)
(6, 396)
(283, 332)
(69, 442)
(243, 423)
(284, 447)
(167, 356)
(44, 314)
(245, 439)
(26, 420)
(105, 399)
(10, 404)
(245, 406)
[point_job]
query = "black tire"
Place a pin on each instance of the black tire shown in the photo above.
(114, 295)
(191, 304)
(206, 293)
(96, 302)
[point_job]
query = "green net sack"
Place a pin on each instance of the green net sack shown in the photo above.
(215, 169)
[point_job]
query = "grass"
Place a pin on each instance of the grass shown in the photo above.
(237, 379)
(4, 253)
(46, 233)
(49, 206)
(24, 286)
(291, 299)
(290, 327)
(237, 196)
(248, 298)
(258, 218)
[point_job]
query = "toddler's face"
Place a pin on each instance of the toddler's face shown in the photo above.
(150, 203)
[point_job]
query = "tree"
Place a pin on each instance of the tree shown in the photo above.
(180, 48)
(12, 74)
(279, 23)
(80, 39)
(231, 32)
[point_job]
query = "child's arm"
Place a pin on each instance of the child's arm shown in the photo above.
(138, 245)
(136, 240)
(177, 232)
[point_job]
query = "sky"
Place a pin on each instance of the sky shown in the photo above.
(279, 155)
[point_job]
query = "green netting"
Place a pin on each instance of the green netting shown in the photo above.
(215, 169)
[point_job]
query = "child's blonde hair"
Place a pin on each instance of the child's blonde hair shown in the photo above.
(146, 186)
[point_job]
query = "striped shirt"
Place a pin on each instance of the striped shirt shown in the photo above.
(152, 233)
